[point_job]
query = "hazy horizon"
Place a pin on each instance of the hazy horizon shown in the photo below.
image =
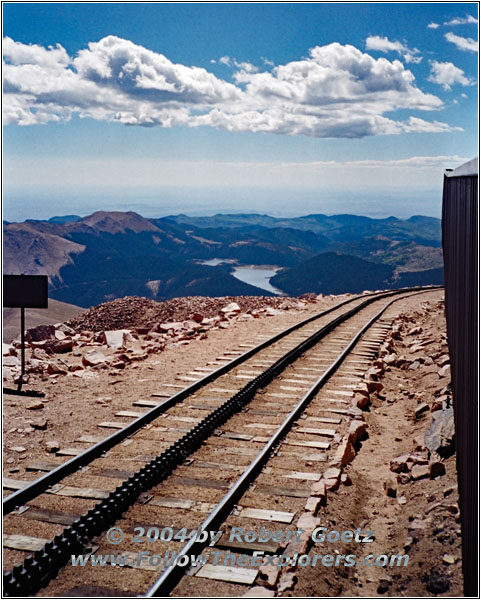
(20, 205)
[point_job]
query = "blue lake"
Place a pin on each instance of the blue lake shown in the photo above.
(252, 274)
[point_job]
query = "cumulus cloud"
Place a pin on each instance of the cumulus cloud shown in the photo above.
(462, 43)
(447, 74)
(420, 126)
(17, 53)
(433, 25)
(384, 44)
(336, 91)
(467, 20)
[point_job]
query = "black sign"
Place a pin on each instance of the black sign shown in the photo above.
(25, 291)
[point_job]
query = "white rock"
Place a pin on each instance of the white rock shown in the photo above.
(233, 307)
(8, 349)
(11, 361)
(116, 338)
(94, 357)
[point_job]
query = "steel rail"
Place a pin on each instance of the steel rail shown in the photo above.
(72, 465)
(39, 569)
(173, 574)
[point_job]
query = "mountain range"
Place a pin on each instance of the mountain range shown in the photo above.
(108, 255)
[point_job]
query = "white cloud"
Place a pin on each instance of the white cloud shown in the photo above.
(467, 20)
(464, 95)
(17, 53)
(447, 74)
(433, 25)
(420, 126)
(383, 44)
(132, 172)
(462, 43)
(337, 91)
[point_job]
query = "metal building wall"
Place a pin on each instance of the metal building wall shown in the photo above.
(460, 249)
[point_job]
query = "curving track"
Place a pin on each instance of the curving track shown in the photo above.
(282, 404)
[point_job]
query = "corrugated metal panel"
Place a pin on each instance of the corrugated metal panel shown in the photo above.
(460, 248)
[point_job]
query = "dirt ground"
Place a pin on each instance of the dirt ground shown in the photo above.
(422, 520)
(419, 518)
(75, 403)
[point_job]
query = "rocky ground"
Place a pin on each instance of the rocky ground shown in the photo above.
(88, 374)
(116, 333)
(134, 311)
(401, 484)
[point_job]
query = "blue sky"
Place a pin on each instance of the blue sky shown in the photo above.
(279, 108)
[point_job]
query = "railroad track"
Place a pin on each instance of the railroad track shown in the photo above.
(192, 460)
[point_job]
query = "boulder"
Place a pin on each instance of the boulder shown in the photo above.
(415, 331)
(332, 473)
(64, 329)
(360, 400)
(331, 484)
(35, 405)
(357, 431)
(439, 436)
(345, 452)
(312, 504)
(40, 333)
(55, 368)
(444, 371)
(272, 312)
(436, 469)
(419, 472)
(374, 386)
(355, 413)
(399, 464)
(52, 446)
(372, 373)
(197, 317)
(233, 307)
(361, 388)
(59, 346)
(8, 349)
(11, 361)
(319, 489)
(116, 338)
(421, 409)
(443, 360)
(94, 358)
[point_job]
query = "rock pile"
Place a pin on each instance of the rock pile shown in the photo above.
(117, 333)
(133, 311)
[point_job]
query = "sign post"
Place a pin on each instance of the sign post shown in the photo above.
(25, 291)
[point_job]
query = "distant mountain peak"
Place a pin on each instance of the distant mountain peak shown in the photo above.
(117, 222)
